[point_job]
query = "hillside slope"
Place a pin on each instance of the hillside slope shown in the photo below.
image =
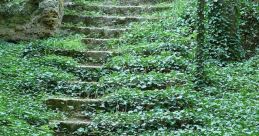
(128, 76)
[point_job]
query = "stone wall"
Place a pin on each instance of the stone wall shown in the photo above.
(30, 19)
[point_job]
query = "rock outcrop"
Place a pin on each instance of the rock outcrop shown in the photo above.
(30, 19)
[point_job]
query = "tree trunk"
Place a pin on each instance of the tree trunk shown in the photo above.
(224, 37)
(200, 74)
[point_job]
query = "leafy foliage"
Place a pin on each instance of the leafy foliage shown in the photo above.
(248, 24)
(22, 115)
(138, 100)
(147, 89)
(24, 83)
(135, 123)
(223, 30)
(149, 81)
(164, 63)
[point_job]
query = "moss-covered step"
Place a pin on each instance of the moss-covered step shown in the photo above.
(124, 100)
(90, 56)
(98, 21)
(113, 9)
(136, 2)
(119, 2)
(99, 56)
(71, 104)
(99, 43)
(69, 126)
(96, 32)
(118, 123)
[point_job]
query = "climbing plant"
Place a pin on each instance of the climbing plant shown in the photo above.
(224, 31)
(249, 24)
(200, 80)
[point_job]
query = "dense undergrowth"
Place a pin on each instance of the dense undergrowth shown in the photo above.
(22, 113)
(150, 55)
(27, 80)
(147, 88)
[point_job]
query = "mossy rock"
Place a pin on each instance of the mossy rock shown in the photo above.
(30, 19)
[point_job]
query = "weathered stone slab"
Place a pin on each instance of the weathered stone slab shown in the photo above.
(30, 19)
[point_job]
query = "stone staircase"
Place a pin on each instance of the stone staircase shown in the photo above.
(112, 20)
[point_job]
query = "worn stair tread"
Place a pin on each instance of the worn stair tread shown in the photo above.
(96, 32)
(67, 99)
(71, 105)
(114, 17)
(65, 127)
(97, 28)
(82, 82)
(108, 52)
(96, 53)
(96, 57)
(100, 54)
(80, 115)
(124, 6)
(117, 7)
(91, 52)
(77, 52)
(54, 101)
(100, 39)
(72, 121)
(124, 2)
(99, 43)
(90, 66)
(105, 20)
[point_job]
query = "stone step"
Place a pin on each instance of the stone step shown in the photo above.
(90, 66)
(65, 127)
(91, 56)
(97, 32)
(82, 115)
(100, 21)
(98, 44)
(135, 2)
(116, 10)
(82, 82)
(96, 56)
(99, 56)
(72, 104)
(124, 2)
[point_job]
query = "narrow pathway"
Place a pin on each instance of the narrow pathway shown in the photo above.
(100, 23)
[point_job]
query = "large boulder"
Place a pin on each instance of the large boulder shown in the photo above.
(30, 19)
